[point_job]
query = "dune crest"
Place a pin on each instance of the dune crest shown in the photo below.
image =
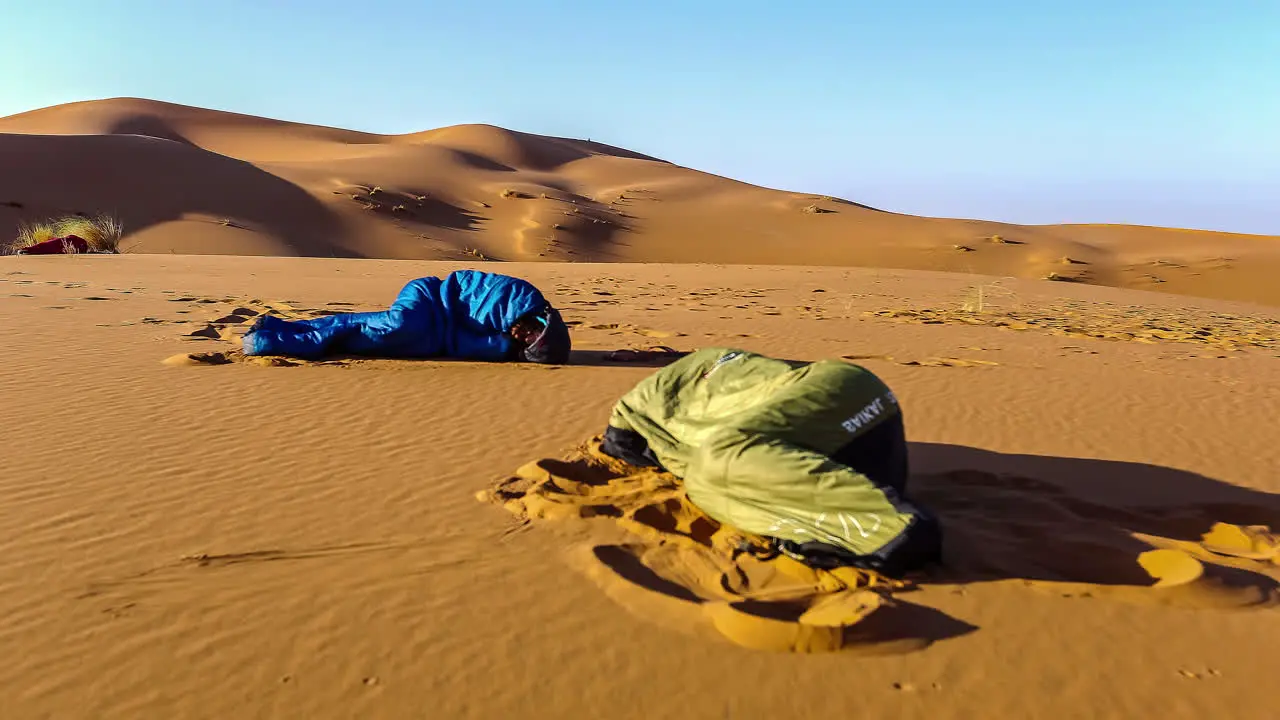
(197, 181)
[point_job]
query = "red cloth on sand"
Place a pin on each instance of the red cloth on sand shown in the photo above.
(57, 246)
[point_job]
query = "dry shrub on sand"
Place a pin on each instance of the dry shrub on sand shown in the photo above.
(102, 233)
(985, 296)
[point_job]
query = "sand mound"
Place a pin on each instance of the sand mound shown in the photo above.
(192, 180)
(998, 529)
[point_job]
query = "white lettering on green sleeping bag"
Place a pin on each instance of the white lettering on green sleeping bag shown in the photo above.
(796, 528)
(864, 416)
(724, 359)
(844, 523)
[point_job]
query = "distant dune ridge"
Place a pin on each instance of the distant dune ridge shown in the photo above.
(188, 180)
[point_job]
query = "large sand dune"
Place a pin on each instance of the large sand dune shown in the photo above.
(194, 181)
(186, 539)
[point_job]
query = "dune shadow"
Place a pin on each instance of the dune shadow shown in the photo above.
(841, 201)
(421, 210)
(567, 150)
(480, 162)
(147, 173)
(591, 227)
(1070, 519)
(147, 126)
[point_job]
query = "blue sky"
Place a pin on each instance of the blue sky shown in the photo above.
(1160, 113)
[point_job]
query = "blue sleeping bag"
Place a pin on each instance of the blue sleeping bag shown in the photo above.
(466, 315)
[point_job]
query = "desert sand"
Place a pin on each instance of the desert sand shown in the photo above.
(188, 533)
(188, 539)
(193, 181)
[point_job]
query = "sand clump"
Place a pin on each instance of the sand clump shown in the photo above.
(679, 553)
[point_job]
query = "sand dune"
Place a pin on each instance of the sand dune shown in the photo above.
(189, 180)
(188, 534)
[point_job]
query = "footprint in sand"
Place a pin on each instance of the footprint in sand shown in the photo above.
(210, 332)
(646, 332)
(198, 359)
(927, 362)
(948, 362)
(1140, 325)
(225, 358)
(223, 327)
(237, 316)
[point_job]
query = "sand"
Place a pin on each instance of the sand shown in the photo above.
(190, 533)
(193, 181)
(184, 538)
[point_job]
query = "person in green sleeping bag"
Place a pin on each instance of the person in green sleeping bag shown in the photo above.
(812, 456)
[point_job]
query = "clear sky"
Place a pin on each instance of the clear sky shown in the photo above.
(1162, 113)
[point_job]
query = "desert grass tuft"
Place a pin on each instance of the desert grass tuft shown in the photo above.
(984, 296)
(1056, 277)
(476, 253)
(102, 233)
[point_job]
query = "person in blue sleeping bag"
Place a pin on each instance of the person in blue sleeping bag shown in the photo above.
(469, 315)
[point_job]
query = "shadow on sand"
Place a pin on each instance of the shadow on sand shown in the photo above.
(1070, 520)
(1068, 526)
